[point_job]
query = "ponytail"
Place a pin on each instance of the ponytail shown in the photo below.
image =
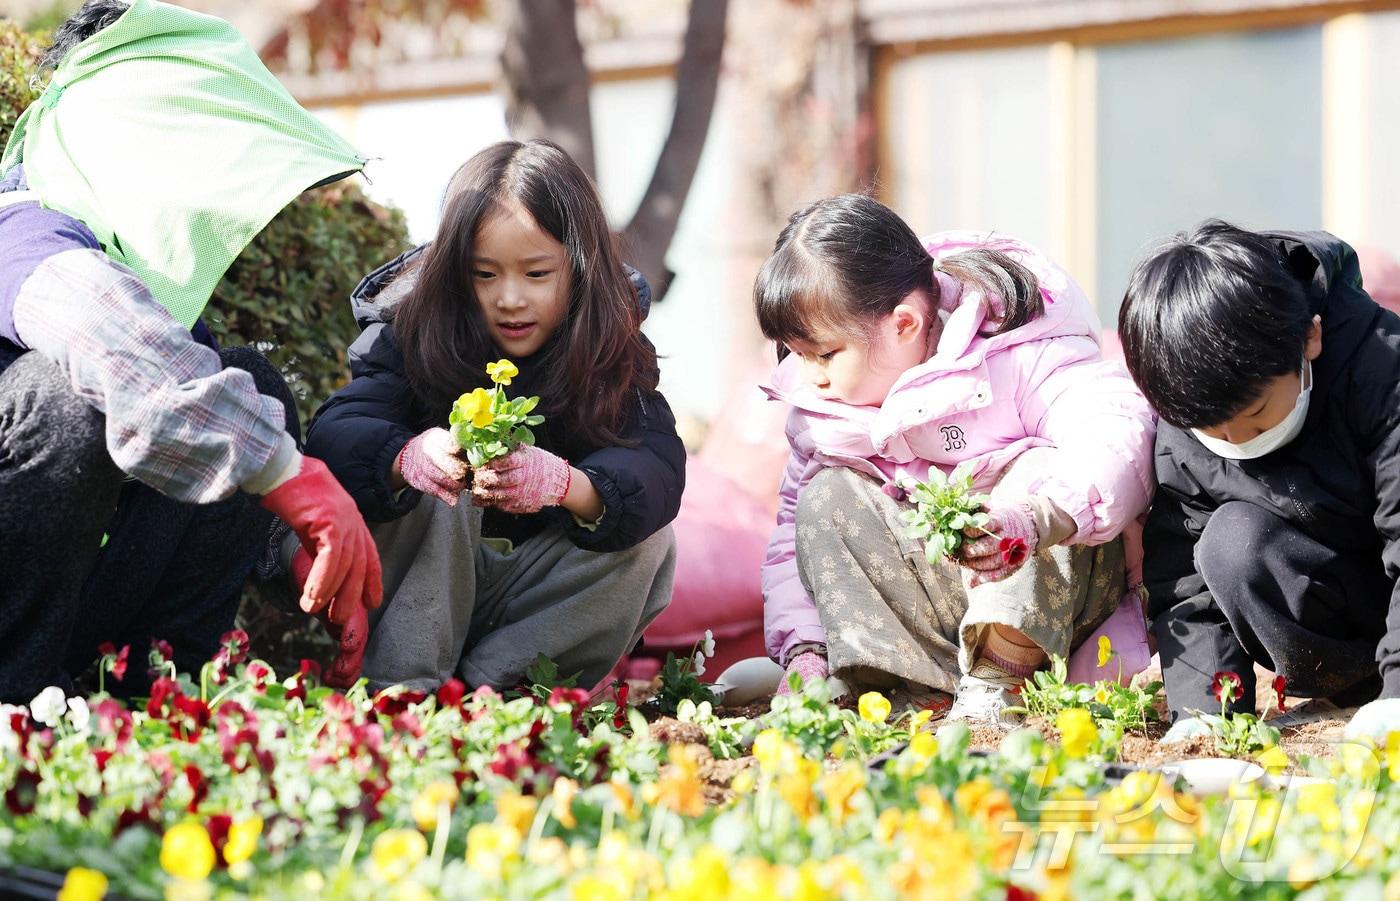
(996, 274)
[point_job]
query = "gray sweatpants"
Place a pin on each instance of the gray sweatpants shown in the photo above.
(454, 605)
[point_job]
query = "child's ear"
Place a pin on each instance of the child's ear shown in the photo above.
(908, 321)
(1312, 345)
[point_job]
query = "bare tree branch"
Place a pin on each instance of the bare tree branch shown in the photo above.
(545, 79)
(653, 225)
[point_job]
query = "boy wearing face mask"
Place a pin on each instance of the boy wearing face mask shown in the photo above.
(1275, 534)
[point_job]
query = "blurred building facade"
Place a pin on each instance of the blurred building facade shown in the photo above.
(1088, 127)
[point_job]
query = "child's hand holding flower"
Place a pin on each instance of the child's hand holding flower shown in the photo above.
(431, 462)
(1003, 545)
(524, 481)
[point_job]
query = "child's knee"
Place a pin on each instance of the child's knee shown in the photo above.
(833, 492)
(1229, 552)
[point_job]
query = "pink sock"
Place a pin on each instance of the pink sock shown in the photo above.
(1024, 670)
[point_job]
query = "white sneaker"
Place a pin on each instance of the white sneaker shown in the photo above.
(984, 694)
(1183, 730)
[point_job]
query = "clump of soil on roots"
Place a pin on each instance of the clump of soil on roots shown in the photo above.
(715, 775)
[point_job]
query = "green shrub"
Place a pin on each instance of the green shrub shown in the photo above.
(19, 60)
(287, 294)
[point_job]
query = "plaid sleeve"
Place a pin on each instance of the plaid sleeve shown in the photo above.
(176, 419)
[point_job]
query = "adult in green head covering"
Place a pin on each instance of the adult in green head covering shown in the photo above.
(159, 149)
(166, 136)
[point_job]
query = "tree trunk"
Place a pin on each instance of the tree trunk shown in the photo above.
(546, 80)
(649, 234)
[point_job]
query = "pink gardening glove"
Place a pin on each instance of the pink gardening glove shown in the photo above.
(523, 481)
(1014, 538)
(430, 463)
(809, 665)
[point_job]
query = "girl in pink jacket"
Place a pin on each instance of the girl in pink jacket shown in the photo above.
(976, 355)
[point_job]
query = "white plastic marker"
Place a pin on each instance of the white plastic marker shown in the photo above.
(754, 679)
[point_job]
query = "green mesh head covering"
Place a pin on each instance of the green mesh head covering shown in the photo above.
(167, 136)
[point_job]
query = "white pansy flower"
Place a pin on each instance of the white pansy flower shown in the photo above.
(49, 706)
(699, 664)
(78, 714)
(707, 647)
(9, 739)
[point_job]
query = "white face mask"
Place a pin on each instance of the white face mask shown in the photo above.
(1274, 438)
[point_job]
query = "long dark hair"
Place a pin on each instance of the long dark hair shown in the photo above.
(589, 367)
(843, 263)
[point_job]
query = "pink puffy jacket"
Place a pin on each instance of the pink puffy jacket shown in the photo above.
(976, 405)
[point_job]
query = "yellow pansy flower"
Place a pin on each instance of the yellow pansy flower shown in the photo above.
(515, 810)
(596, 887)
(1078, 734)
(920, 717)
(795, 787)
(1392, 755)
(431, 799)
(1360, 762)
(242, 840)
(623, 795)
(502, 371)
(82, 884)
(489, 847)
(476, 406)
(704, 875)
(874, 707)
(923, 747)
(186, 852)
(395, 853)
(1105, 651)
(839, 787)
(679, 786)
(1319, 799)
(1273, 759)
(563, 794)
(771, 750)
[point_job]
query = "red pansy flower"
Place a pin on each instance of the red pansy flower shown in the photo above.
(21, 797)
(163, 691)
(1226, 686)
(1013, 551)
(199, 786)
(451, 693)
(190, 717)
(114, 660)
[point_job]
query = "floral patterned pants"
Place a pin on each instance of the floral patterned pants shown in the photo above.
(891, 617)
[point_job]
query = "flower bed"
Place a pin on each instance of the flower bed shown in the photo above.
(246, 784)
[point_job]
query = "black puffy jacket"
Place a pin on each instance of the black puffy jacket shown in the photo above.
(362, 427)
(1338, 481)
